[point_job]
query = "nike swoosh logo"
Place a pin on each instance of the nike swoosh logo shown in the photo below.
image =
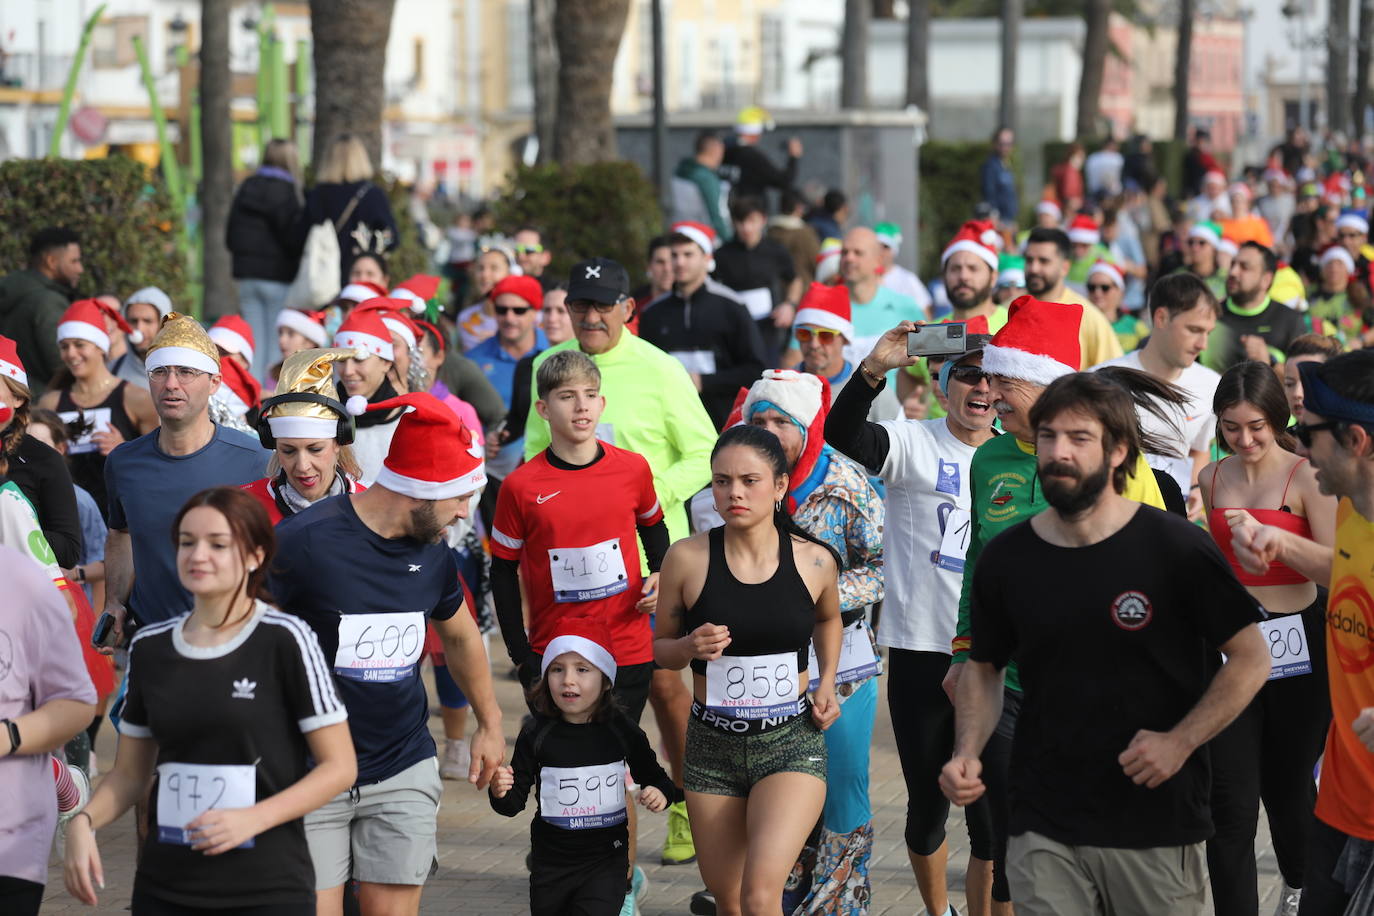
(543, 499)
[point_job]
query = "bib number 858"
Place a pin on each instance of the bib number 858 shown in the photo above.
(763, 687)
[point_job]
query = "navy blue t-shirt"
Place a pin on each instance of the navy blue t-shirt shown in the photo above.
(147, 487)
(367, 598)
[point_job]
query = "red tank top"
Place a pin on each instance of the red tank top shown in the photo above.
(1278, 573)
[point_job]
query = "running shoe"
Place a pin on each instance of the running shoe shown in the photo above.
(678, 848)
(703, 904)
(639, 884)
(1289, 897)
(456, 760)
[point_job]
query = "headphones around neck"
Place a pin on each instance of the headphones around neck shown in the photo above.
(343, 433)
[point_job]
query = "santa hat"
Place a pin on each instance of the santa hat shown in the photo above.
(181, 341)
(805, 399)
(586, 635)
(1038, 344)
(418, 290)
(525, 287)
(1240, 189)
(1050, 208)
(85, 320)
(309, 325)
(233, 334)
(1353, 219)
(1084, 230)
(1214, 176)
(394, 316)
(703, 235)
(241, 382)
(828, 259)
(150, 295)
(364, 330)
(1110, 271)
(362, 291)
(890, 236)
(1208, 231)
(10, 366)
(1228, 246)
(432, 455)
(1338, 253)
(978, 237)
(827, 307)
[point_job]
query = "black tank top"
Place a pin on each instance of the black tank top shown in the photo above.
(83, 455)
(778, 615)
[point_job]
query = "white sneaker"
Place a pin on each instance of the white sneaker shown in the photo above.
(91, 769)
(456, 759)
(1289, 897)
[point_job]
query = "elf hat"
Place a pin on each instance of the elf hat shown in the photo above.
(703, 235)
(432, 454)
(586, 635)
(309, 325)
(233, 334)
(1110, 271)
(978, 237)
(394, 315)
(827, 307)
(181, 341)
(1011, 271)
(1051, 208)
(418, 290)
(828, 260)
(1336, 252)
(150, 295)
(1084, 230)
(361, 291)
(85, 320)
(525, 287)
(1208, 231)
(10, 366)
(890, 236)
(1038, 344)
(1353, 219)
(364, 330)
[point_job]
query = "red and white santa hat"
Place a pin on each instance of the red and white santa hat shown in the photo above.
(1038, 344)
(1084, 230)
(1110, 271)
(978, 237)
(433, 455)
(828, 259)
(239, 383)
(361, 291)
(418, 290)
(801, 396)
(827, 307)
(1336, 252)
(85, 320)
(703, 235)
(586, 635)
(232, 333)
(309, 325)
(1050, 208)
(365, 331)
(10, 366)
(393, 313)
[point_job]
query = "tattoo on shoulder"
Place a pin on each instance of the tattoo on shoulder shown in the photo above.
(818, 562)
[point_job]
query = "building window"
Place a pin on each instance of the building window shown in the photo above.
(771, 56)
(519, 90)
(112, 43)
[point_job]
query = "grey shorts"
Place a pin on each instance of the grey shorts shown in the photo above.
(1049, 878)
(718, 763)
(382, 833)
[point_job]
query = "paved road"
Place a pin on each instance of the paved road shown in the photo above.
(481, 854)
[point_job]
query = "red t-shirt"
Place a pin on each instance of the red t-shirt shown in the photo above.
(573, 533)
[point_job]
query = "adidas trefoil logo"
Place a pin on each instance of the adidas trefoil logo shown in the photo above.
(243, 689)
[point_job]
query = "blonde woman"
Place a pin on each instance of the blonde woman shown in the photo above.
(344, 194)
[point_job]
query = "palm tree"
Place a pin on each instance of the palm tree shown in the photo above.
(350, 64)
(589, 33)
(1095, 14)
(1338, 64)
(854, 54)
(1183, 56)
(217, 164)
(544, 74)
(918, 56)
(1011, 35)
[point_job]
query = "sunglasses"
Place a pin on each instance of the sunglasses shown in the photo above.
(969, 375)
(583, 306)
(1100, 287)
(1304, 431)
(529, 249)
(826, 338)
(512, 309)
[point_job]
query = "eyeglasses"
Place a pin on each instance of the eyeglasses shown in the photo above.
(1349, 234)
(583, 306)
(1100, 287)
(1304, 431)
(1193, 243)
(184, 374)
(513, 309)
(529, 249)
(826, 338)
(969, 375)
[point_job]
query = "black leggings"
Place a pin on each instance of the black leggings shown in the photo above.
(1268, 754)
(923, 726)
(19, 897)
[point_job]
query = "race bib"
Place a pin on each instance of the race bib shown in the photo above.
(379, 647)
(82, 425)
(579, 798)
(1289, 655)
(702, 362)
(954, 542)
(857, 660)
(753, 686)
(185, 791)
(759, 301)
(588, 573)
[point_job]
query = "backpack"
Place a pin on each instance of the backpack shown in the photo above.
(317, 278)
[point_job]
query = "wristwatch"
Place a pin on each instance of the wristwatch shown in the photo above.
(80, 574)
(13, 730)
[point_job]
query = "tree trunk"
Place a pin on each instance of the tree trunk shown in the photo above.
(854, 54)
(884, 9)
(544, 75)
(1095, 14)
(1362, 54)
(217, 164)
(1338, 64)
(350, 66)
(588, 34)
(918, 56)
(1183, 57)
(1011, 35)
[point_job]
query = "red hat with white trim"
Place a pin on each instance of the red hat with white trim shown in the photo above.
(365, 331)
(1038, 344)
(521, 285)
(361, 291)
(309, 325)
(978, 237)
(418, 290)
(586, 635)
(1110, 271)
(233, 334)
(826, 306)
(85, 319)
(433, 454)
(394, 315)
(703, 235)
(10, 366)
(1337, 252)
(828, 259)
(1084, 230)
(241, 382)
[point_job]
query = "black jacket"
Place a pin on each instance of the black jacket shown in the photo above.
(43, 476)
(262, 230)
(371, 220)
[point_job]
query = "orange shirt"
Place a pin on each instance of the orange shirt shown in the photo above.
(1346, 798)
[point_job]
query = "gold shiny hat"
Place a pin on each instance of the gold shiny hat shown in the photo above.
(309, 373)
(181, 341)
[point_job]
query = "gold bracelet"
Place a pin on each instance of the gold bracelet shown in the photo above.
(863, 367)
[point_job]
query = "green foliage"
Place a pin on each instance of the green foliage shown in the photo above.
(605, 209)
(121, 210)
(949, 193)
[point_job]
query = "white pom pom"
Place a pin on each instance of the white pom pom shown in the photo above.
(135, 337)
(417, 307)
(357, 405)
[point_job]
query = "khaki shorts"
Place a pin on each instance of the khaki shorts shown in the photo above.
(1049, 878)
(383, 833)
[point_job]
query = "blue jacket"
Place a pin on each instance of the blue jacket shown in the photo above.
(999, 188)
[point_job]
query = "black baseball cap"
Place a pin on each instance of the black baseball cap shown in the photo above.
(598, 279)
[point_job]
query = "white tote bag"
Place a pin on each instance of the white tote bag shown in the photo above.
(317, 278)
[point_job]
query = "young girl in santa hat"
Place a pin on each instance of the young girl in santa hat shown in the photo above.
(575, 749)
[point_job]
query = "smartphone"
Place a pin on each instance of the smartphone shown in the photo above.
(937, 339)
(103, 636)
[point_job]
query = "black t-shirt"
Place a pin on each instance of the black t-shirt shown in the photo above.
(765, 266)
(346, 580)
(1277, 324)
(1110, 638)
(587, 754)
(246, 704)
